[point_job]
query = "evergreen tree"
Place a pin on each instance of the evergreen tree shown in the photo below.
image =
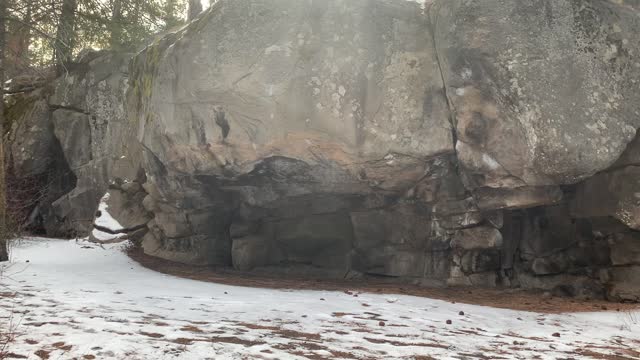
(195, 8)
(66, 34)
(47, 32)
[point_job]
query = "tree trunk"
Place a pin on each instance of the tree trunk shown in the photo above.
(17, 41)
(65, 36)
(26, 37)
(116, 25)
(4, 233)
(195, 8)
(136, 9)
(171, 10)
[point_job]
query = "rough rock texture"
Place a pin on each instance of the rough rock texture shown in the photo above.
(90, 123)
(37, 173)
(342, 137)
(72, 132)
(531, 81)
(30, 137)
(484, 143)
(290, 127)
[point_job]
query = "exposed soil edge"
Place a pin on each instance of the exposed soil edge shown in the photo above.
(514, 299)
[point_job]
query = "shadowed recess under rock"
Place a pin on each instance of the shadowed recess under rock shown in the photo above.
(481, 143)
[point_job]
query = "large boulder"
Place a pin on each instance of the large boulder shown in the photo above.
(448, 144)
(67, 139)
(544, 92)
(463, 142)
(89, 122)
(36, 172)
(615, 193)
(322, 82)
(625, 284)
(302, 106)
(30, 137)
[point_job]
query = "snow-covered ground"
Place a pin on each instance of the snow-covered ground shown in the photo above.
(68, 299)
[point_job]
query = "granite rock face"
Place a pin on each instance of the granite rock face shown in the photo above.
(297, 117)
(69, 133)
(89, 121)
(531, 81)
(474, 143)
(452, 144)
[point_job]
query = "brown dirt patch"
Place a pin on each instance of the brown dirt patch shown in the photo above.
(283, 333)
(505, 298)
(43, 354)
(12, 356)
(191, 328)
(624, 352)
(39, 324)
(235, 340)
(151, 335)
(341, 314)
(400, 343)
(184, 341)
(62, 346)
(218, 339)
(597, 355)
(258, 326)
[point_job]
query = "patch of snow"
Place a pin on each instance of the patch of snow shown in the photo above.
(102, 236)
(490, 162)
(423, 3)
(77, 298)
(105, 220)
(272, 48)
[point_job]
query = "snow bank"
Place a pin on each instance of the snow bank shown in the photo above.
(77, 298)
(105, 220)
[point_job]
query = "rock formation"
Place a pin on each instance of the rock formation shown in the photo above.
(481, 143)
(70, 133)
